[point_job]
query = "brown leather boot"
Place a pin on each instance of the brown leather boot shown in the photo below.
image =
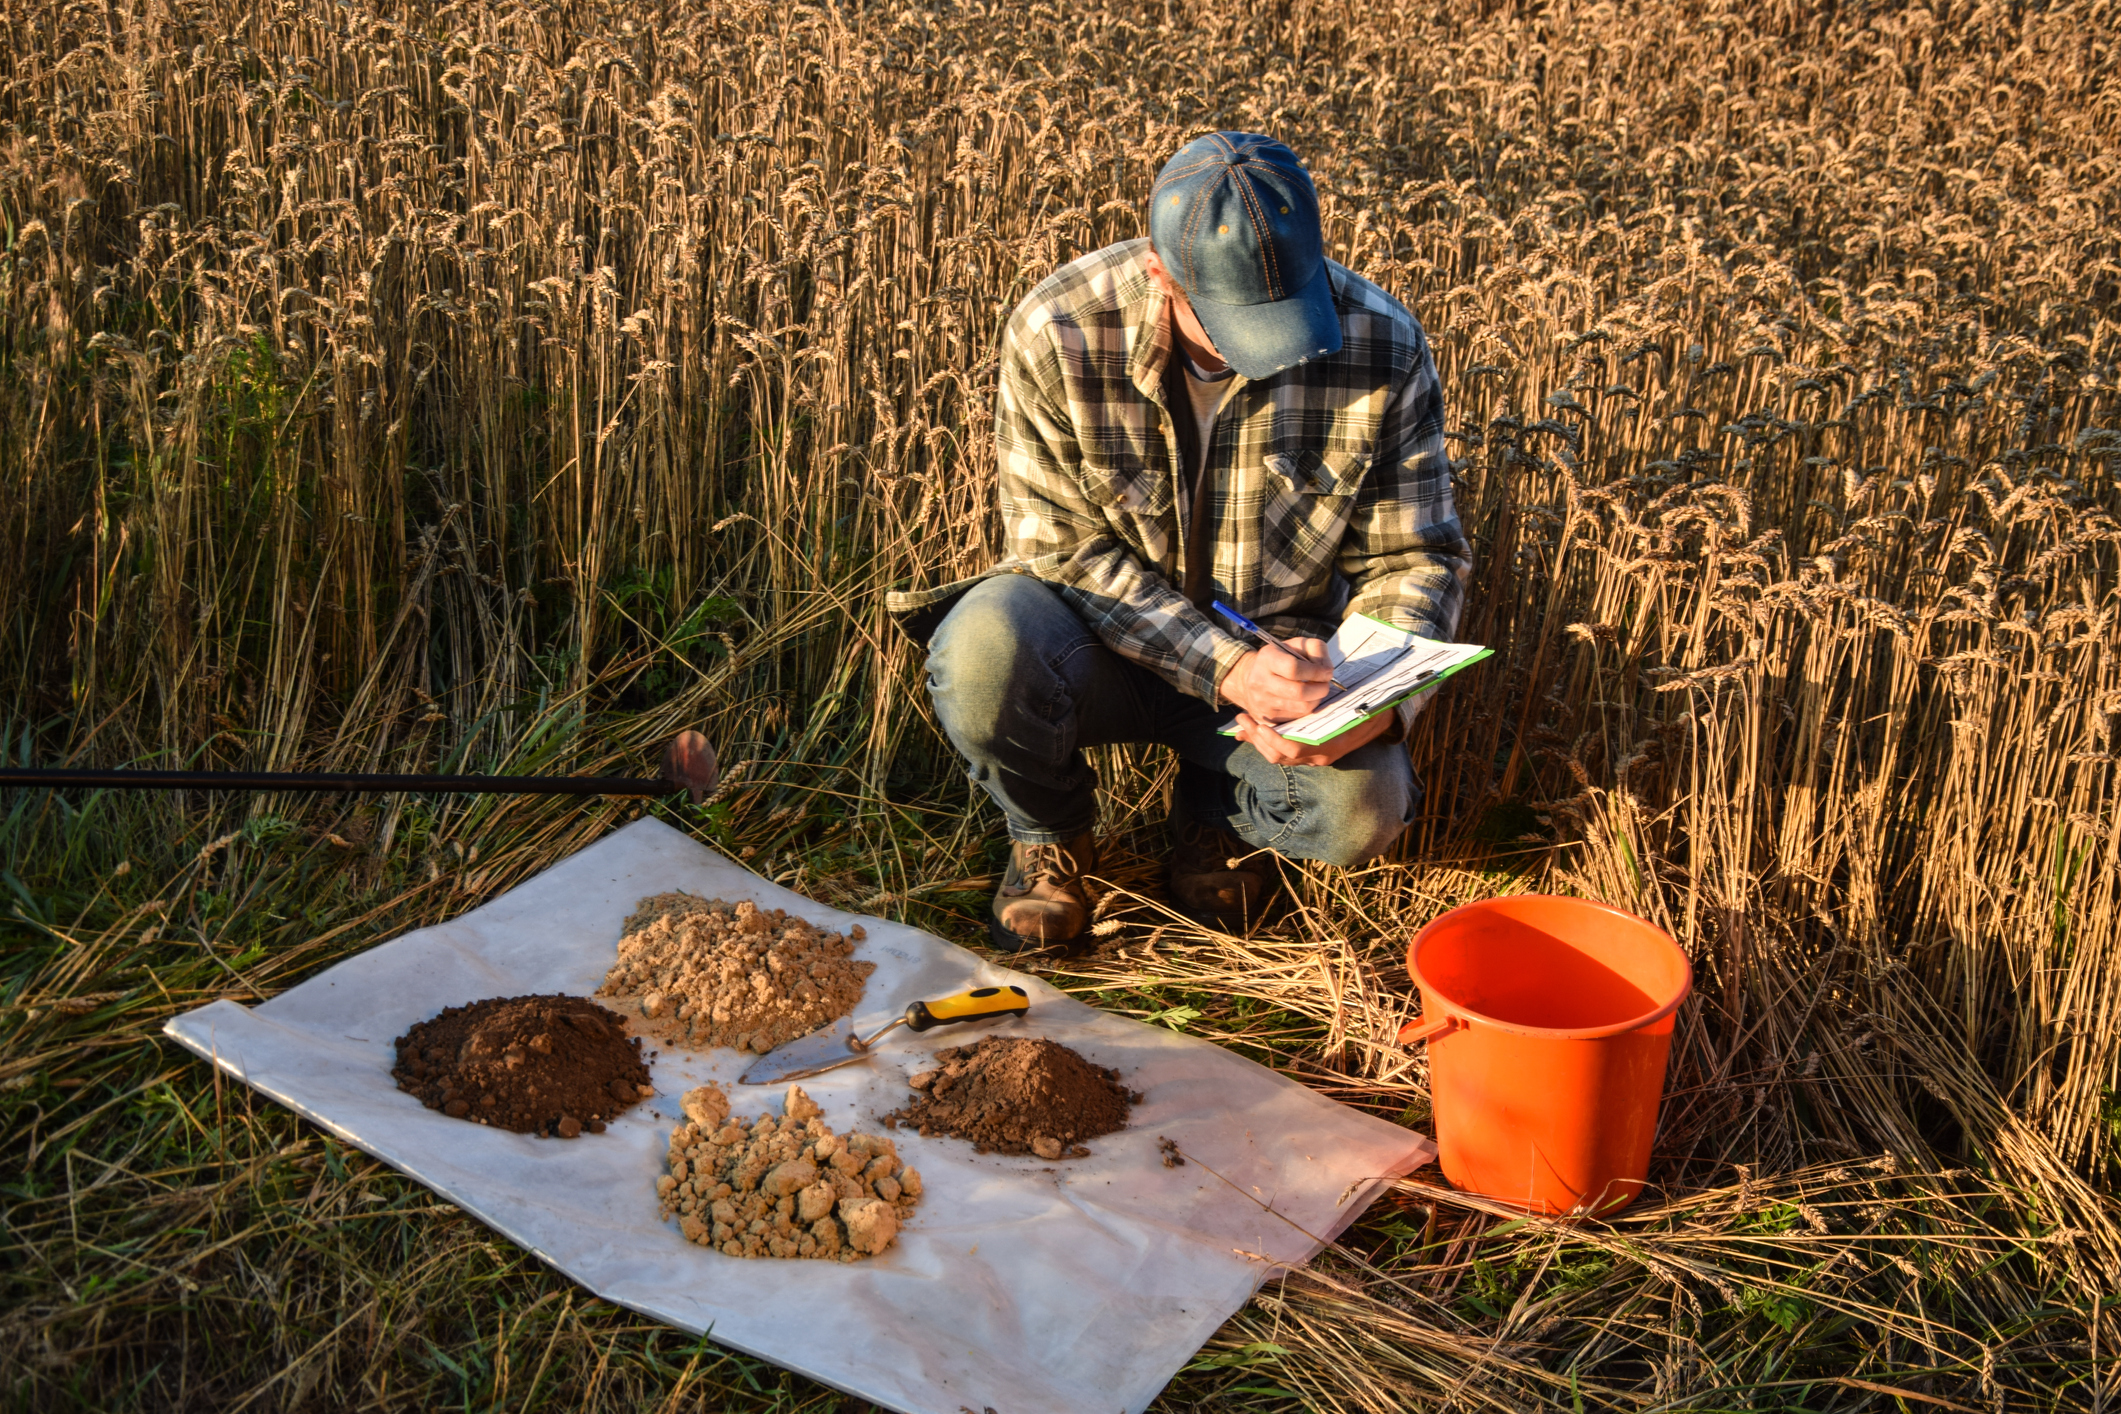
(1044, 900)
(1218, 880)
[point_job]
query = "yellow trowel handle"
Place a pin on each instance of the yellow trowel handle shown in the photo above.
(979, 1004)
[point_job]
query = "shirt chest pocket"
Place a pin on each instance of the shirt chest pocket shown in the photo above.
(1135, 497)
(1125, 485)
(1309, 496)
(1333, 472)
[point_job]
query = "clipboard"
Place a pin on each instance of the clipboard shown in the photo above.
(1378, 667)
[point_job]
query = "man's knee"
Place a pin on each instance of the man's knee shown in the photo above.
(990, 649)
(1356, 809)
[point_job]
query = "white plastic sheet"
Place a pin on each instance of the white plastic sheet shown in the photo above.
(1020, 1286)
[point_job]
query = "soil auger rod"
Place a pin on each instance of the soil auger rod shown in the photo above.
(688, 765)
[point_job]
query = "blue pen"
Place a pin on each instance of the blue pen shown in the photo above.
(1261, 634)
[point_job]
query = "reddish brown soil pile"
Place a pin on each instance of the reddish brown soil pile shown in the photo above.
(1017, 1095)
(537, 1065)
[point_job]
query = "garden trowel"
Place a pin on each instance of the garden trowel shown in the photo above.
(837, 1045)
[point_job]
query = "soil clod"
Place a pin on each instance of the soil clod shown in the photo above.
(1017, 1095)
(536, 1065)
(786, 1187)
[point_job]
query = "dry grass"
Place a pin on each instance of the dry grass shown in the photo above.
(495, 385)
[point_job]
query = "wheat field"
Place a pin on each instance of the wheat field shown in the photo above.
(504, 386)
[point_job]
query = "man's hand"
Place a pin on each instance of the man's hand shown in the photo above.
(1283, 752)
(1273, 686)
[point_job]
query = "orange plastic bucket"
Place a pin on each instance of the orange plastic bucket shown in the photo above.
(1549, 1021)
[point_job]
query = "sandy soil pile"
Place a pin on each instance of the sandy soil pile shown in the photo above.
(1017, 1095)
(704, 972)
(536, 1065)
(786, 1187)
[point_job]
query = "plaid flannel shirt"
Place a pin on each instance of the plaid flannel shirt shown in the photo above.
(1332, 492)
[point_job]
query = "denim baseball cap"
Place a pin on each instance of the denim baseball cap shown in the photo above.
(1234, 218)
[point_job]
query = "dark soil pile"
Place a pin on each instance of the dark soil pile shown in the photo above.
(1017, 1095)
(537, 1065)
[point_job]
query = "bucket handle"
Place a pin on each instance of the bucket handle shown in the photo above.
(1428, 1029)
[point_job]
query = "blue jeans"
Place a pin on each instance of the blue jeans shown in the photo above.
(1022, 685)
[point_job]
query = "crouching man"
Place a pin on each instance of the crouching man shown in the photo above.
(1217, 412)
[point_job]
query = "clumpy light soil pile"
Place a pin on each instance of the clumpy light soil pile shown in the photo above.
(1017, 1095)
(704, 972)
(786, 1187)
(536, 1065)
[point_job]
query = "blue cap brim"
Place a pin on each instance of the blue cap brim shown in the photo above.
(1260, 340)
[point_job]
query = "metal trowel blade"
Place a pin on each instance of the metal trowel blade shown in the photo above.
(814, 1054)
